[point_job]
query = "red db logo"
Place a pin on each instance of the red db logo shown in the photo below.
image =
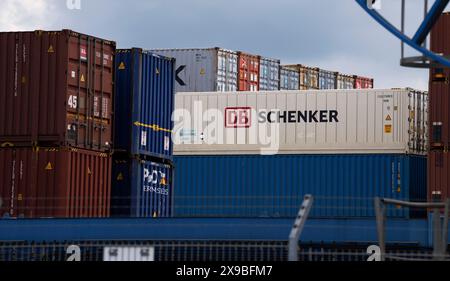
(238, 117)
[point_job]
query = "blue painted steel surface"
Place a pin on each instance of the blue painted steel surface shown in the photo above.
(327, 79)
(144, 103)
(141, 189)
(316, 230)
(434, 12)
(274, 186)
(289, 79)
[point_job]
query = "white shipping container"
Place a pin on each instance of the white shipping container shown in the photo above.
(204, 70)
(301, 122)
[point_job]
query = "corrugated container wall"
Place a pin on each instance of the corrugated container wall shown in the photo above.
(439, 174)
(289, 78)
(204, 70)
(248, 72)
(363, 82)
(141, 188)
(327, 79)
(145, 99)
(296, 122)
(269, 74)
(440, 88)
(309, 76)
(344, 81)
(56, 89)
(53, 182)
(274, 186)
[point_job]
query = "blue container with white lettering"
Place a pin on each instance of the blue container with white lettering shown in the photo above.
(141, 188)
(343, 185)
(144, 91)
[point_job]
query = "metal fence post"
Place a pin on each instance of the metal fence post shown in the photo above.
(297, 228)
(380, 217)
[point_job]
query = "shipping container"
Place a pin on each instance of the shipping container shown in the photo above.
(440, 35)
(54, 182)
(204, 70)
(440, 88)
(298, 122)
(289, 78)
(248, 72)
(269, 74)
(362, 82)
(309, 76)
(274, 186)
(327, 79)
(344, 81)
(57, 89)
(145, 99)
(141, 188)
(439, 174)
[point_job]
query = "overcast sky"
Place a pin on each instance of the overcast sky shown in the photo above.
(332, 34)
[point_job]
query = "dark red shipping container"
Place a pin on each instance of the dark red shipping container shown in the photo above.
(54, 182)
(439, 87)
(439, 173)
(363, 82)
(248, 72)
(56, 89)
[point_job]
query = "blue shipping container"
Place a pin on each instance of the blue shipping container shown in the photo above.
(144, 103)
(274, 186)
(327, 79)
(141, 189)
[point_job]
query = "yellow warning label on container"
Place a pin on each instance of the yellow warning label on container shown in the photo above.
(50, 49)
(163, 181)
(120, 177)
(89, 171)
(388, 129)
(157, 71)
(388, 118)
(82, 78)
(19, 197)
(122, 66)
(202, 71)
(49, 166)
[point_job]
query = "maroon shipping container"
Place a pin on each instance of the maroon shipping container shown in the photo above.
(362, 82)
(248, 72)
(439, 173)
(56, 89)
(61, 183)
(439, 87)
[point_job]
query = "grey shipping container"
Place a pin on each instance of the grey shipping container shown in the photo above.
(269, 74)
(289, 78)
(204, 70)
(344, 185)
(344, 81)
(309, 76)
(327, 79)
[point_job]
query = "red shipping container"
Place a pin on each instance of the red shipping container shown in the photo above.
(439, 87)
(362, 82)
(438, 174)
(56, 89)
(248, 72)
(61, 183)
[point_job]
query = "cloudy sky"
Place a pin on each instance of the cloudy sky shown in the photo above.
(332, 34)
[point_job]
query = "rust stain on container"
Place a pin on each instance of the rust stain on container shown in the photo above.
(53, 182)
(248, 72)
(56, 89)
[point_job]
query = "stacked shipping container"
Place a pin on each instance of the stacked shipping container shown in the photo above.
(344, 81)
(289, 78)
(142, 174)
(248, 72)
(362, 82)
(439, 129)
(203, 70)
(57, 94)
(269, 74)
(364, 141)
